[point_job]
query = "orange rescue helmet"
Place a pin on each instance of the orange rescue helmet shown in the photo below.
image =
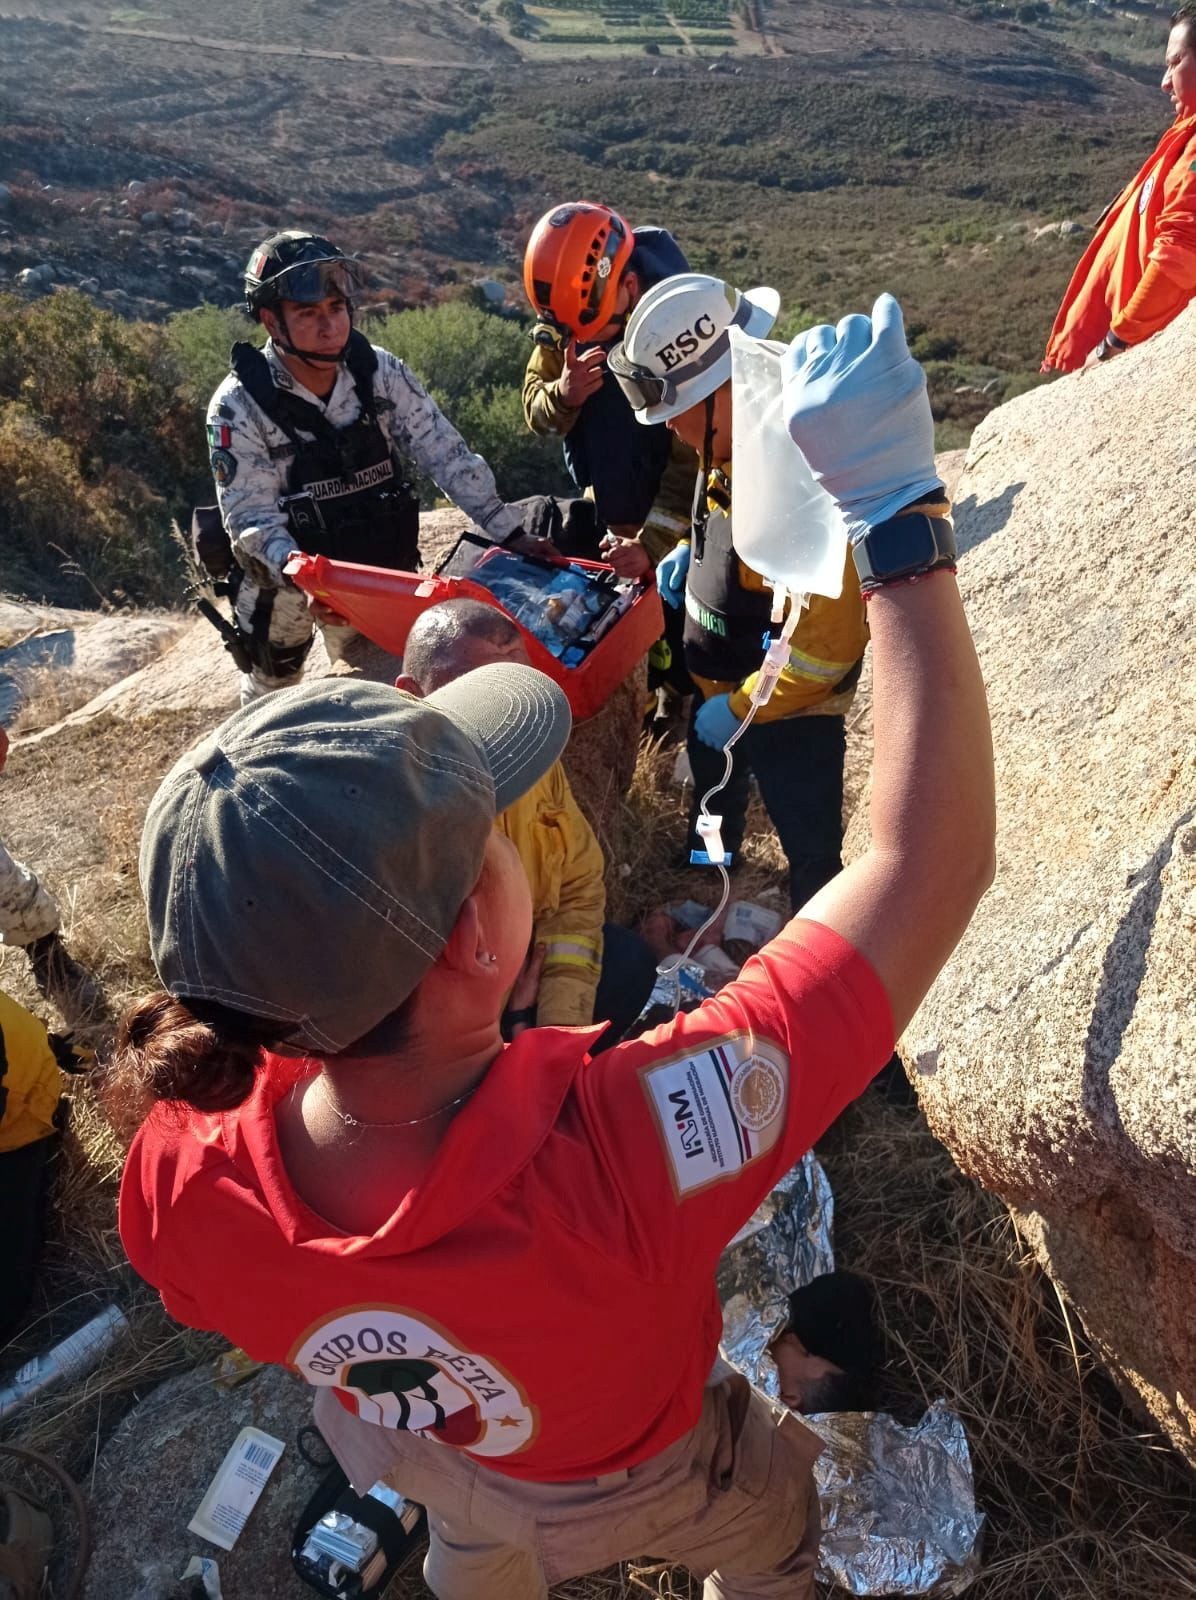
(573, 265)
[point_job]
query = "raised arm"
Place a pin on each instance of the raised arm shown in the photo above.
(696, 1121)
(857, 406)
(906, 902)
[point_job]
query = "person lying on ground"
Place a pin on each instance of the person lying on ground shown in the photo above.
(827, 1353)
(496, 1263)
(580, 969)
(310, 441)
(1139, 271)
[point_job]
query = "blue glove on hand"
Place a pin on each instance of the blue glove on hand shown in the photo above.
(856, 407)
(715, 721)
(670, 576)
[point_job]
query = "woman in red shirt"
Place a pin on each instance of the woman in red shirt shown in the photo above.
(490, 1261)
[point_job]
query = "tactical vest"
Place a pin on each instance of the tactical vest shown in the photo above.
(726, 625)
(347, 492)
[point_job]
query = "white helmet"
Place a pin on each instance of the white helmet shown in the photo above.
(676, 351)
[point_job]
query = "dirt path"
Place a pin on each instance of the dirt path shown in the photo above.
(679, 29)
(760, 26)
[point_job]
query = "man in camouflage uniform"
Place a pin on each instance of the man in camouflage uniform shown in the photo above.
(308, 440)
(29, 920)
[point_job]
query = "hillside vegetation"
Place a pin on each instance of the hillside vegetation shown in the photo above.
(102, 444)
(830, 150)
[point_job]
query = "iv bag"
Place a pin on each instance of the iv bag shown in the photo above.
(784, 525)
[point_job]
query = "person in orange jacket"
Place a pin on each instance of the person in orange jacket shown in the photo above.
(1139, 272)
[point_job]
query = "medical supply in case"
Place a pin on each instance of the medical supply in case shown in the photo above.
(581, 624)
(348, 1546)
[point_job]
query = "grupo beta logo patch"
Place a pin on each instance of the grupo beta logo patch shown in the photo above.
(398, 1370)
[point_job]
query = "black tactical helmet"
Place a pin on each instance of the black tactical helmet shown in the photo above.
(294, 265)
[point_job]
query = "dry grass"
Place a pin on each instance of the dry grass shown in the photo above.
(1083, 1503)
(643, 843)
(73, 810)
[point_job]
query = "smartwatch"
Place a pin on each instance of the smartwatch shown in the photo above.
(903, 547)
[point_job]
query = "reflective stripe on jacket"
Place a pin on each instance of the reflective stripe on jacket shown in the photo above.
(564, 866)
(824, 656)
(1139, 271)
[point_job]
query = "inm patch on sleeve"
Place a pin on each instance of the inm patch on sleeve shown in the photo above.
(719, 1109)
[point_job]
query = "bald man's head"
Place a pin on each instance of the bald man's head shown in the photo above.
(453, 638)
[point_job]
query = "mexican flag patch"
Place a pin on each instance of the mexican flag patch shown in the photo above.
(220, 435)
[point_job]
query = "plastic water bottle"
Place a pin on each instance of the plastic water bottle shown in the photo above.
(784, 525)
(73, 1358)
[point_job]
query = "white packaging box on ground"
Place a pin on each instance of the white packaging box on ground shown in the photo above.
(237, 1487)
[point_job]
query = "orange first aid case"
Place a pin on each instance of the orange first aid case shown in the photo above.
(383, 605)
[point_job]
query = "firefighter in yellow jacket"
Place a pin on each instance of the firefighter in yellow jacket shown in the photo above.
(580, 969)
(30, 1119)
(675, 367)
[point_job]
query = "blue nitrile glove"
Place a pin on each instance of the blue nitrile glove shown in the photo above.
(856, 407)
(715, 721)
(670, 576)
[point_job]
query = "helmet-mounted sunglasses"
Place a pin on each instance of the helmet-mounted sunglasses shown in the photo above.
(309, 282)
(642, 387)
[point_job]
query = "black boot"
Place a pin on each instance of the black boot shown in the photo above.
(65, 981)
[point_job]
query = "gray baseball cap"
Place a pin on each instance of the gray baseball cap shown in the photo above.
(307, 861)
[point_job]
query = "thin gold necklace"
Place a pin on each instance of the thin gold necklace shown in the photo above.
(409, 1122)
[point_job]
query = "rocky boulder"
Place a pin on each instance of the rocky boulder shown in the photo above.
(53, 668)
(36, 279)
(152, 1474)
(1054, 1056)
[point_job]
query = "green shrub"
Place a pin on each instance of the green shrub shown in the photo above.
(100, 446)
(201, 341)
(472, 363)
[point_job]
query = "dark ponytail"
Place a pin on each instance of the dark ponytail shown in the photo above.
(195, 1053)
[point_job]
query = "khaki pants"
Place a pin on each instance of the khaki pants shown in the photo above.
(281, 628)
(733, 1500)
(27, 911)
